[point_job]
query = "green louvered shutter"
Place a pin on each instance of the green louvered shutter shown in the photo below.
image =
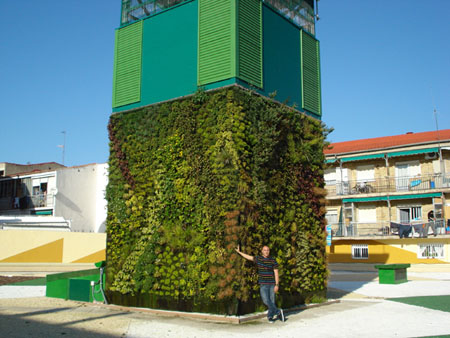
(311, 91)
(250, 42)
(217, 41)
(127, 65)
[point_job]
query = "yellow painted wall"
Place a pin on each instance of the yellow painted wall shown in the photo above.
(25, 246)
(387, 251)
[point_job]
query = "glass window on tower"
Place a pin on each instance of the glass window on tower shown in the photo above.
(133, 10)
(301, 12)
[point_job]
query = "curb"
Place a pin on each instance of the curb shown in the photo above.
(210, 317)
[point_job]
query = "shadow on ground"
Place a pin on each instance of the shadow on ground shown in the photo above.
(21, 325)
(52, 317)
(345, 279)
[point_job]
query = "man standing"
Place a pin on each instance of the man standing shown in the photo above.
(268, 281)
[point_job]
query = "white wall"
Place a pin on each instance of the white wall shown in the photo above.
(79, 197)
(101, 204)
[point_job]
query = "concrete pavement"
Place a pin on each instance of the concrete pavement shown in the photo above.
(363, 310)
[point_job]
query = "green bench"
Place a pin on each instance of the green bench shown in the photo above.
(392, 273)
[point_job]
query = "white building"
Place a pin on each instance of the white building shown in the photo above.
(50, 196)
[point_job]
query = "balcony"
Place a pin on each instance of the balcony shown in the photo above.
(27, 202)
(388, 185)
(34, 223)
(388, 229)
(300, 12)
(133, 10)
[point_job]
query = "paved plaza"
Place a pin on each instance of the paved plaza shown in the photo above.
(365, 308)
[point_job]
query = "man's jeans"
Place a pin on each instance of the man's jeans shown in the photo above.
(268, 298)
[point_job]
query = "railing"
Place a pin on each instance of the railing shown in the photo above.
(133, 10)
(354, 229)
(380, 229)
(298, 11)
(27, 202)
(34, 223)
(388, 184)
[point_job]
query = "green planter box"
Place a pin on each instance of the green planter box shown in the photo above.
(392, 273)
(80, 289)
(75, 285)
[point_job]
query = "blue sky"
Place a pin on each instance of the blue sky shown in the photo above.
(385, 64)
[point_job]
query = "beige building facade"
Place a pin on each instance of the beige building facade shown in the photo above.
(394, 188)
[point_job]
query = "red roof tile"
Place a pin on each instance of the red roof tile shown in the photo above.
(387, 142)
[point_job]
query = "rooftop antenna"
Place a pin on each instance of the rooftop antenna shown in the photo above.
(63, 146)
(441, 162)
(317, 10)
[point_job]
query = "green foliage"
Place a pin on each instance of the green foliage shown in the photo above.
(189, 180)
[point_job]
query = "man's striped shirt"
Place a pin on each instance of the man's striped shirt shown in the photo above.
(266, 276)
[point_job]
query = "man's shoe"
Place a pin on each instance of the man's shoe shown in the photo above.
(281, 315)
(270, 320)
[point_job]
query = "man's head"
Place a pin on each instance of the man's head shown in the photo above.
(265, 251)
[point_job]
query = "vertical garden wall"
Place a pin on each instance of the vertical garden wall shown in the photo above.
(191, 179)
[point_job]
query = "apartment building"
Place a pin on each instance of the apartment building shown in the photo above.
(50, 196)
(389, 198)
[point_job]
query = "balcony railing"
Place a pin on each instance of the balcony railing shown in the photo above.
(388, 184)
(27, 202)
(133, 10)
(34, 223)
(298, 11)
(382, 229)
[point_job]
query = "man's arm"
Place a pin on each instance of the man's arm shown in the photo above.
(248, 257)
(277, 280)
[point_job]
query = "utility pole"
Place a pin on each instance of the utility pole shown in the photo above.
(63, 146)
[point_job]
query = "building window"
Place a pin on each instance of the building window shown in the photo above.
(6, 188)
(133, 10)
(404, 173)
(425, 251)
(408, 214)
(367, 214)
(360, 251)
(299, 11)
(330, 176)
(331, 216)
(365, 173)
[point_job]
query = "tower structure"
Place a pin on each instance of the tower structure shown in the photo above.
(166, 49)
(204, 157)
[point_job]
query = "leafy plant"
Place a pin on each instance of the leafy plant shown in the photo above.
(189, 180)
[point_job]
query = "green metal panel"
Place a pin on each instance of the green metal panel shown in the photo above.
(44, 212)
(217, 40)
(408, 197)
(392, 273)
(282, 61)
(414, 152)
(169, 55)
(250, 42)
(311, 93)
(79, 289)
(392, 198)
(127, 65)
(57, 285)
(375, 156)
(57, 288)
(364, 199)
(360, 158)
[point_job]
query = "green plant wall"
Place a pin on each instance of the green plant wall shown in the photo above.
(191, 179)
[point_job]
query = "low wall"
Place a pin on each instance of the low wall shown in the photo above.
(388, 251)
(27, 246)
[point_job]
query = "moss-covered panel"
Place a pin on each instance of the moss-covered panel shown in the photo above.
(191, 179)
